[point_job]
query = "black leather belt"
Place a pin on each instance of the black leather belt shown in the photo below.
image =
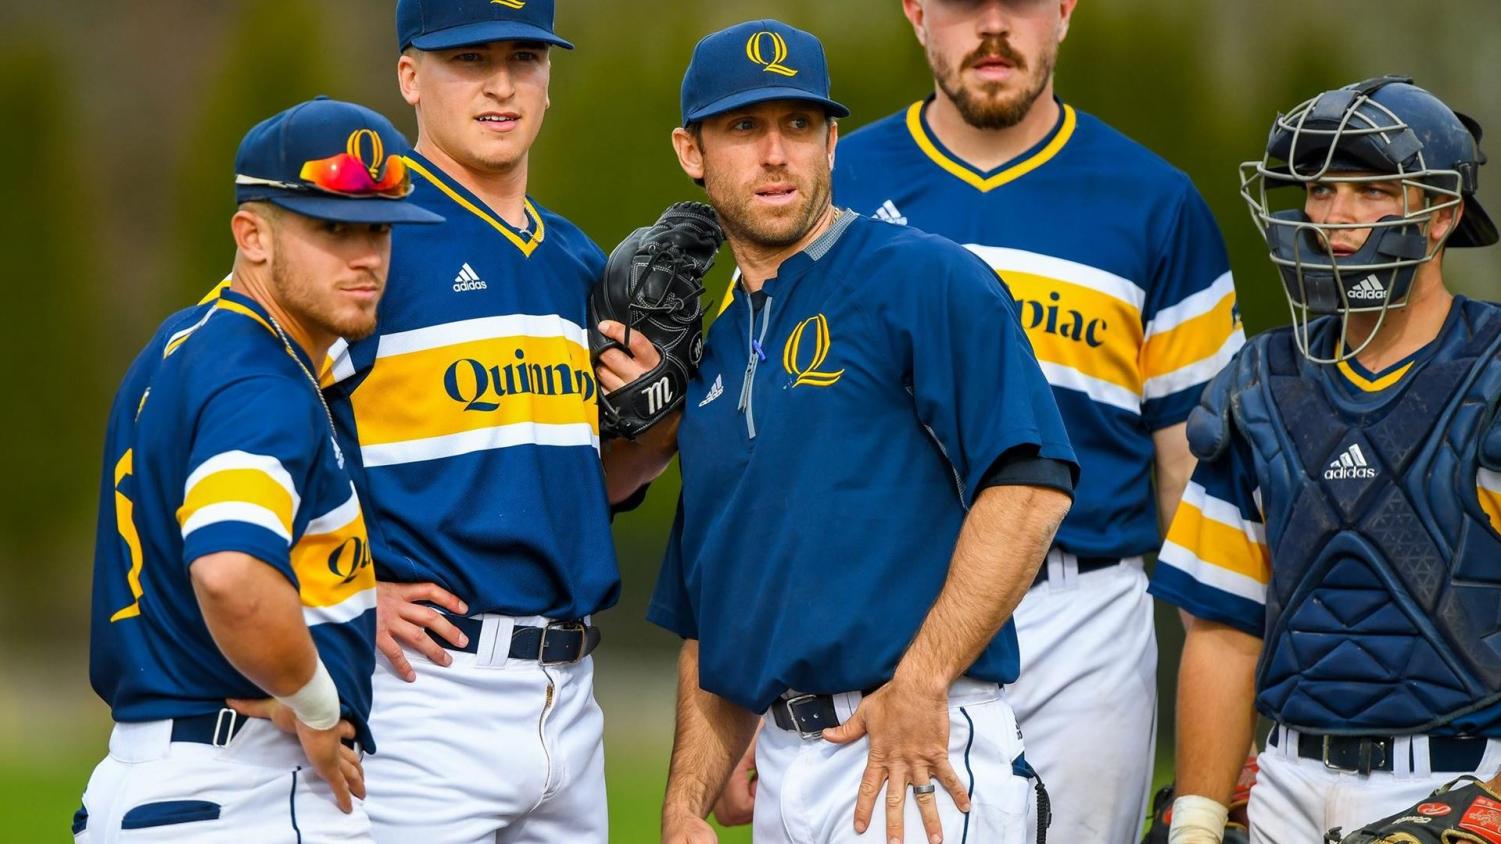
(807, 715)
(1364, 754)
(217, 728)
(559, 642)
(1086, 565)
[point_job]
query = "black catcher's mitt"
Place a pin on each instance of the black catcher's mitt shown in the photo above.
(653, 283)
(1462, 811)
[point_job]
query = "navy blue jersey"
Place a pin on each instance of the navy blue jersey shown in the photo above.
(218, 442)
(831, 445)
(1121, 279)
(474, 411)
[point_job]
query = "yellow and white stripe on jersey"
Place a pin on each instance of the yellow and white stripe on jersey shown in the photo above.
(237, 486)
(474, 385)
(332, 561)
(1214, 544)
(1488, 488)
(1185, 344)
(1084, 322)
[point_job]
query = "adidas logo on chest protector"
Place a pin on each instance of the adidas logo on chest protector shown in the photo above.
(468, 279)
(1351, 463)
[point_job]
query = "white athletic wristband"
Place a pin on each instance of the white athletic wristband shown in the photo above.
(1197, 820)
(317, 703)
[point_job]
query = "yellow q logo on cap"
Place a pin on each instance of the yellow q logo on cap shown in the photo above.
(356, 146)
(509, 4)
(792, 354)
(755, 52)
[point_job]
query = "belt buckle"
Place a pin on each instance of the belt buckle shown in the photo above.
(570, 626)
(791, 703)
(1365, 763)
(219, 727)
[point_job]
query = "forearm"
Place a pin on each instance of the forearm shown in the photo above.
(1172, 465)
(1216, 715)
(255, 616)
(1003, 541)
(712, 733)
(630, 465)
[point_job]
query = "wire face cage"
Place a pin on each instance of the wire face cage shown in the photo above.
(1347, 136)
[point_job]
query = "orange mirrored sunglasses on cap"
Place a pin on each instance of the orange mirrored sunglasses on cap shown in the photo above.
(346, 174)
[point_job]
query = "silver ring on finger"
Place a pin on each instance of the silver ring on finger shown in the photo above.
(920, 790)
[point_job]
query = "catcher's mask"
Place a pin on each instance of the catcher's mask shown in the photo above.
(1380, 130)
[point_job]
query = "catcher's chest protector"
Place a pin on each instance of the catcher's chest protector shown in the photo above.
(1384, 608)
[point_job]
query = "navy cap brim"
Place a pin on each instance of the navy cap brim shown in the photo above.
(761, 95)
(485, 32)
(341, 210)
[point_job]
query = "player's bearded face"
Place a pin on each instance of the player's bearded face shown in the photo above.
(767, 172)
(330, 276)
(481, 105)
(988, 103)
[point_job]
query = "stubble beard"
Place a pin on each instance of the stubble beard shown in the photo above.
(986, 106)
(296, 292)
(735, 207)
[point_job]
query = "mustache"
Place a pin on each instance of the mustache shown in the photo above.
(995, 46)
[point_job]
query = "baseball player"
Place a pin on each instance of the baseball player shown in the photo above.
(1336, 546)
(473, 419)
(873, 468)
(233, 560)
(1124, 289)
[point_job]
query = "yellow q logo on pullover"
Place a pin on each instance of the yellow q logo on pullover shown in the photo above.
(809, 375)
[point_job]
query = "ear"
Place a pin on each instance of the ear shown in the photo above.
(690, 155)
(406, 76)
(833, 141)
(916, 15)
(255, 240)
(1445, 221)
(1065, 14)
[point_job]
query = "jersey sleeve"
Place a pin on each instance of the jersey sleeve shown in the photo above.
(1192, 324)
(252, 453)
(976, 384)
(672, 606)
(1214, 562)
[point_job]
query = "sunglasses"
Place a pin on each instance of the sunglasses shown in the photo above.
(346, 175)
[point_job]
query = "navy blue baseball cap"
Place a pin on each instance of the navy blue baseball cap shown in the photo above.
(445, 24)
(331, 160)
(753, 62)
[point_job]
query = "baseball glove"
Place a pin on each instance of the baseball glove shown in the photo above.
(1468, 812)
(653, 283)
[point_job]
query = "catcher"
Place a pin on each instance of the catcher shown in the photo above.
(1337, 545)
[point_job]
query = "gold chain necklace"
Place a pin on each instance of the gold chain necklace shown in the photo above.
(317, 390)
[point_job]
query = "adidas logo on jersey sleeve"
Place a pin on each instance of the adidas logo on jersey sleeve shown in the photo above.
(1368, 288)
(1350, 464)
(887, 213)
(468, 279)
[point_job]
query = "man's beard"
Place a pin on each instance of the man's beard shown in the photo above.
(736, 214)
(985, 107)
(295, 291)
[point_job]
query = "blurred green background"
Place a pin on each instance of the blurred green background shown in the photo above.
(120, 125)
